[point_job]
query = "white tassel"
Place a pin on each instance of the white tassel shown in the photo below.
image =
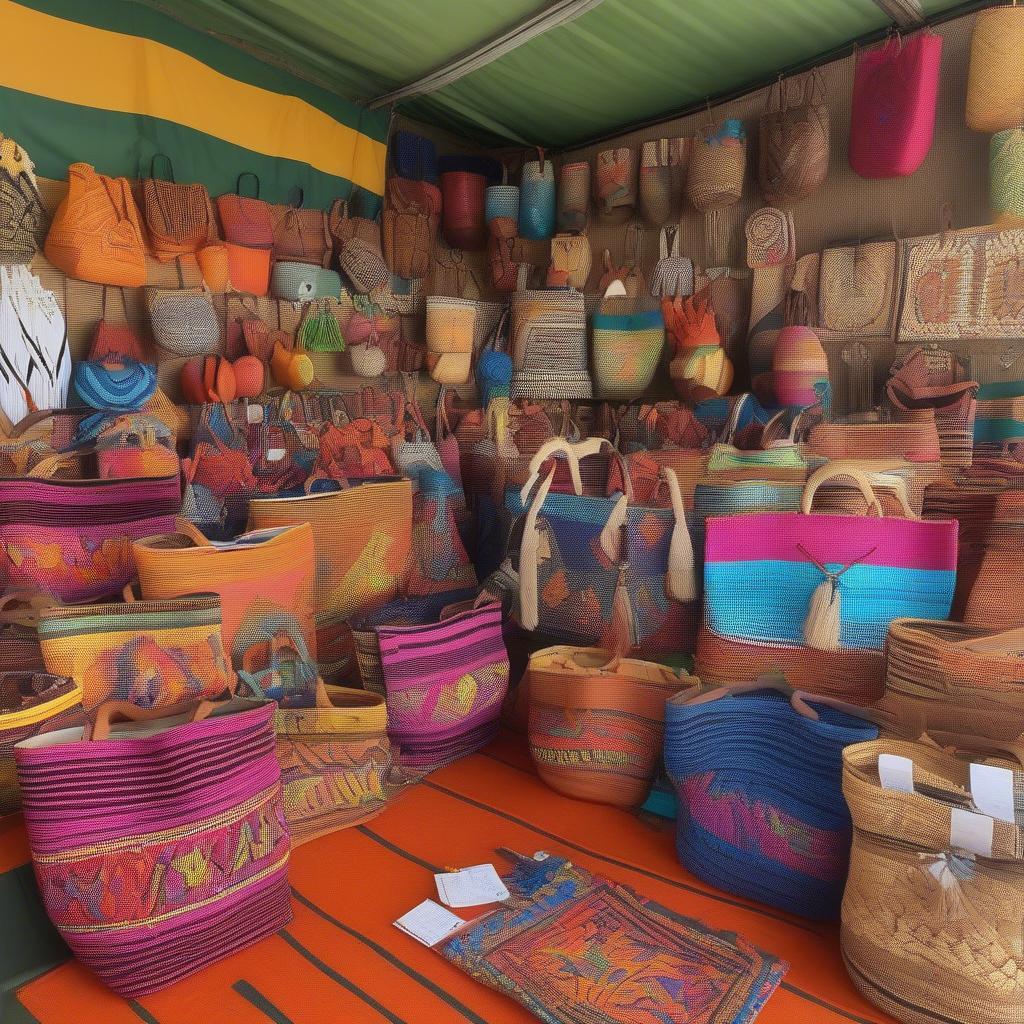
(821, 627)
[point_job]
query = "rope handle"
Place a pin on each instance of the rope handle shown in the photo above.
(1009, 642)
(972, 745)
(826, 473)
(767, 681)
(802, 701)
(247, 174)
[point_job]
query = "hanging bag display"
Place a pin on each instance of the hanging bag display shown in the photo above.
(717, 166)
(895, 90)
(246, 220)
(191, 791)
(757, 772)
(23, 223)
(574, 196)
(537, 199)
(301, 234)
(179, 218)
(629, 335)
(615, 180)
(995, 92)
(96, 234)
(793, 142)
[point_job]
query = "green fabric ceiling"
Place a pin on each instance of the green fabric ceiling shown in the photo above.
(623, 62)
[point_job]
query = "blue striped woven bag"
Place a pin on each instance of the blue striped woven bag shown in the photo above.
(757, 770)
(122, 386)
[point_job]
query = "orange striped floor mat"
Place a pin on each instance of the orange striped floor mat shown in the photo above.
(342, 960)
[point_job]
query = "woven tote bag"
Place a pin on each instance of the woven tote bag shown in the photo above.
(574, 196)
(31, 703)
(653, 964)
(952, 408)
(149, 653)
(363, 538)
(445, 686)
(301, 234)
(718, 163)
(413, 156)
(360, 256)
(549, 345)
(179, 218)
(793, 142)
(826, 581)
(857, 288)
(537, 199)
(336, 762)
(462, 210)
(72, 539)
(1006, 177)
(659, 204)
(23, 219)
(993, 599)
(892, 119)
(628, 338)
(571, 260)
(246, 220)
(758, 777)
(439, 561)
(615, 180)
(184, 321)
(930, 860)
(412, 211)
(192, 792)
(952, 677)
(96, 234)
(596, 724)
(995, 93)
(265, 583)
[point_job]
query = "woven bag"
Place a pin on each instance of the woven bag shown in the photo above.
(301, 234)
(628, 336)
(928, 862)
(614, 180)
(995, 93)
(303, 282)
(183, 321)
(799, 364)
(462, 212)
(537, 199)
(412, 211)
(445, 686)
(892, 119)
(827, 581)
(570, 261)
(549, 345)
(1000, 414)
(22, 216)
(700, 368)
(757, 772)
(135, 445)
(150, 653)
(96, 234)
(574, 196)
(673, 274)
(771, 238)
(659, 204)
(194, 789)
(248, 268)
(718, 162)
(246, 220)
(994, 597)
(358, 240)
(449, 333)
(118, 386)
(857, 288)
(793, 143)
(215, 267)
(413, 156)
(336, 762)
(32, 702)
(265, 583)
(1006, 176)
(179, 218)
(596, 724)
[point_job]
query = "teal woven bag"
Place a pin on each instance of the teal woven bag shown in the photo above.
(302, 282)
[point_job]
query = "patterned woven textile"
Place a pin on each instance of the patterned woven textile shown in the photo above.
(265, 583)
(549, 345)
(934, 891)
(628, 337)
(24, 229)
(596, 725)
(31, 703)
(121, 386)
(857, 288)
(571, 947)
(573, 196)
(159, 846)
(72, 538)
(445, 685)
(761, 811)
(438, 561)
(151, 653)
(793, 142)
(951, 677)
(335, 762)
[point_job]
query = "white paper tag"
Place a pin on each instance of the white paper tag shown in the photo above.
(471, 887)
(896, 772)
(992, 789)
(254, 414)
(276, 454)
(429, 923)
(971, 832)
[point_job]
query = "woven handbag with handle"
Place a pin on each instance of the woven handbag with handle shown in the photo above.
(718, 161)
(574, 196)
(301, 234)
(537, 199)
(412, 211)
(246, 220)
(628, 337)
(615, 180)
(22, 217)
(793, 143)
(179, 218)
(358, 241)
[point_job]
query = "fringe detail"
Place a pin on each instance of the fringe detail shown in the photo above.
(821, 627)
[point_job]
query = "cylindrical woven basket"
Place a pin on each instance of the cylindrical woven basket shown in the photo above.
(995, 86)
(1006, 176)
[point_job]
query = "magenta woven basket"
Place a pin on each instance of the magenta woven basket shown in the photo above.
(162, 848)
(445, 685)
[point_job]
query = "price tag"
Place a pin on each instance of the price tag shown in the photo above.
(896, 772)
(971, 832)
(992, 790)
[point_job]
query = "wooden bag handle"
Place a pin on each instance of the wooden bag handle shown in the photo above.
(826, 473)
(126, 711)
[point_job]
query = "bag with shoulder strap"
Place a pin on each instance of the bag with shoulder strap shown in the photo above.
(412, 213)
(246, 220)
(179, 218)
(301, 234)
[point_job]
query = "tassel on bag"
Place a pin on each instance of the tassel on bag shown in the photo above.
(824, 612)
(681, 578)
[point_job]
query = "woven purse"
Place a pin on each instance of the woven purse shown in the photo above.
(179, 218)
(757, 772)
(22, 217)
(265, 583)
(930, 860)
(246, 220)
(718, 162)
(574, 196)
(793, 143)
(192, 792)
(995, 94)
(615, 180)
(183, 320)
(596, 724)
(301, 235)
(150, 653)
(412, 211)
(537, 199)
(549, 345)
(358, 241)
(659, 201)
(32, 702)
(96, 234)
(628, 337)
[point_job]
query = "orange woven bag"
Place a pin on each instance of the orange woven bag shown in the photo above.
(179, 218)
(96, 234)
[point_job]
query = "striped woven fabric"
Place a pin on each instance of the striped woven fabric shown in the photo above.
(72, 538)
(549, 345)
(445, 685)
(122, 386)
(151, 653)
(195, 804)
(265, 583)
(761, 811)
(335, 762)
(953, 409)
(1000, 417)
(952, 677)
(595, 726)
(994, 599)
